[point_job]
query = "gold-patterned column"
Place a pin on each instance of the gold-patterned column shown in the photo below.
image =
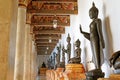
(20, 39)
(5, 25)
(27, 54)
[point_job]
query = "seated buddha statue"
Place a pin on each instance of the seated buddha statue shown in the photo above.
(77, 58)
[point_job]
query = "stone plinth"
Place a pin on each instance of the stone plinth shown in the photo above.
(115, 77)
(59, 74)
(43, 71)
(50, 75)
(74, 72)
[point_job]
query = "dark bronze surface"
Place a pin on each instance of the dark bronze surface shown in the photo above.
(58, 55)
(43, 65)
(115, 60)
(97, 44)
(77, 59)
(94, 74)
(68, 50)
(95, 37)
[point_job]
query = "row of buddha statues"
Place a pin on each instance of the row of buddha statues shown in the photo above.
(97, 45)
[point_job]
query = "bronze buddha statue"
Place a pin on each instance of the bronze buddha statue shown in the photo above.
(68, 50)
(115, 60)
(77, 58)
(97, 44)
(95, 37)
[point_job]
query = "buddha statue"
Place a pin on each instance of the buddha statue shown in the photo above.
(63, 55)
(68, 50)
(43, 65)
(77, 58)
(58, 55)
(95, 37)
(115, 60)
(61, 64)
(97, 43)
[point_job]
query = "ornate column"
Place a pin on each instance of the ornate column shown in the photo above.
(27, 54)
(27, 48)
(33, 62)
(20, 39)
(30, 50)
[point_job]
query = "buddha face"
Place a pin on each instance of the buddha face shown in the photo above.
(93, 14)
(68, 39)
(77, 43)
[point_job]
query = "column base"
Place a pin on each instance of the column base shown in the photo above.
(94, 74)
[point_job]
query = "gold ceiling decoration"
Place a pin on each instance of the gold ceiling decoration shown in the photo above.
(41, 15)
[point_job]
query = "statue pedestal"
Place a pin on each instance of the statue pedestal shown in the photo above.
(59, 74)
(50, 75)
(115, 77)
(74, 72)
(94, 74)
(43, 71)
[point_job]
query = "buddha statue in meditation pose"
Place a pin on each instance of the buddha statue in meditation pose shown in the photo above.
(77, 58)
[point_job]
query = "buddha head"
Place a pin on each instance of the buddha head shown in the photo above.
(77, 43)
(68, 38)
(93, 12)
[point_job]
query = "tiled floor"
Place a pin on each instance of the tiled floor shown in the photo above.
(41, 78)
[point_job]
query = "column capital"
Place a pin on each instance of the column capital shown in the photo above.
(23, 3)
(28, 18)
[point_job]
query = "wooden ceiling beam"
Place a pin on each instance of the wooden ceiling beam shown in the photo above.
(34, 13)
(58, 1)
(53, 38)
(54, 8)
(56, 12)
(44, 53)
(44, 45)
(47, 41)
(49, 32)
(45, 48)
(47, 37)
(40, 25)
(50, 24)
(47, 20)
